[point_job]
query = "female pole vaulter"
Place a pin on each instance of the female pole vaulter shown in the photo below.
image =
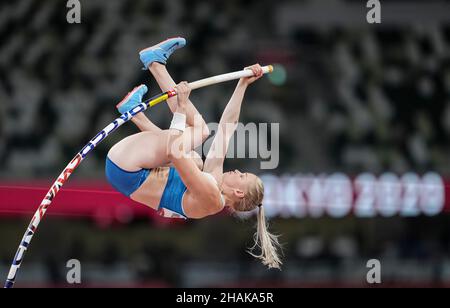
(158, 167)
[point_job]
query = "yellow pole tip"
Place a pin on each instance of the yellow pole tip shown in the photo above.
(270, 69)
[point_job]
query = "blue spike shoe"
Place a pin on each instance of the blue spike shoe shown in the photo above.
(161, 52)
(133, 99)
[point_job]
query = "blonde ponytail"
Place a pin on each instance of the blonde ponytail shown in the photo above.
(267, 242)
(264, 240)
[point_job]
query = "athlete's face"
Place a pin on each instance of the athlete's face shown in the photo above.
(238, 181)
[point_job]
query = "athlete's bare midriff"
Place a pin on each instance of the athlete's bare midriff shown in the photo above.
(152, 189)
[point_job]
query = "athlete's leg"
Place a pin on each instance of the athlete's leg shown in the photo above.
(145, 124)
(130, 101)
(155, 58)
(146, 150)
(166, 83)
(142, 150)
(194, 121)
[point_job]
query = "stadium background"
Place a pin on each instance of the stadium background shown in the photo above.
(356, 103)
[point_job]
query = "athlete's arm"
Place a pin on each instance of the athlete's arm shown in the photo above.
(178, 142)
(228, 123)
(196, 182)
(144, 123)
